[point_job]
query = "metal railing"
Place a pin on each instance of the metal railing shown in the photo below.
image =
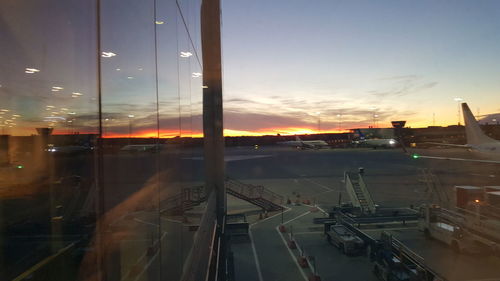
(253, 192)
(189, 196)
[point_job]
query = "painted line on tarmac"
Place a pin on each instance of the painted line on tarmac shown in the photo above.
(318, 207)
(287, 209)
(328, 191)
(142, 257)
(122, 217)
(145, 222)
(310, 232)
(321, 209)
(254, 250)
(318, 184)
(292, 255)
(385, 229)
(41, 264)
(171, 220)
(304, 214)
(147, 265)
(255, 257)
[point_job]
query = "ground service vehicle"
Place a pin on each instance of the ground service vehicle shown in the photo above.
(344, 239)
(448, 227)
(393, 261)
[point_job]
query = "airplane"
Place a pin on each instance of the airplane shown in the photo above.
(311, 144)
(141, 148)
(477, 141)
(385, 143)
(69, 149)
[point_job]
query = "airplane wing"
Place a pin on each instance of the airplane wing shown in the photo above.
(307, 145)
(416, 156)
(449, 144)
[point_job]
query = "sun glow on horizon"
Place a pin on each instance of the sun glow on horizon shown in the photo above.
(281, 131)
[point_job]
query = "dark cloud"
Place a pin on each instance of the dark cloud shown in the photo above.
(243, 121)
(247, 115)
(403, 87)
(401, 77)
(238, 100)
(249, 121)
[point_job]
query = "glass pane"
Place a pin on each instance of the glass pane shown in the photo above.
(49, 126)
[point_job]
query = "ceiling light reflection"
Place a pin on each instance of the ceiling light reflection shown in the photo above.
(108, 54)
(31, 70)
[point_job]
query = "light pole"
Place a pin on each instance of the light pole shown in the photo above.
(340, 121)
(373, 115)
(130, 116)
(319, 121)
(458, 100)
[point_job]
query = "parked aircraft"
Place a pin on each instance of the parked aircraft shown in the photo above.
(477, 141)
(308, 144)
(374, 142)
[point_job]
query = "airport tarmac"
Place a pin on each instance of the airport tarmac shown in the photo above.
(394, 180)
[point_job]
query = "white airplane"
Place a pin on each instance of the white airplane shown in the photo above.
(141, 147)
(313, 144)
(385, 143)
(477, 141)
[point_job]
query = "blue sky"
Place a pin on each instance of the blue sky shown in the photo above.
(396, 59)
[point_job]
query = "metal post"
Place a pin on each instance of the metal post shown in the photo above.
(212, 102)
(99, 162)
(282, 215)
(213, 115)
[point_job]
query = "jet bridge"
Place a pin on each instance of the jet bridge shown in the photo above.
(358, 192)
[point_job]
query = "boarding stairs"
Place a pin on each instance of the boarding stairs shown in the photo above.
(434, 189)
(358, 193)
(188, 198)
(255, 194)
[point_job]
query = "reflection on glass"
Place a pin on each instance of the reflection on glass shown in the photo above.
(73, 201)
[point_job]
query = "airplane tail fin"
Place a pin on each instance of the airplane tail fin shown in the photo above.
(361, 135)
(473, 132)
(297, 138)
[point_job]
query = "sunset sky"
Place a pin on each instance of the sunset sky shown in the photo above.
(290, 66)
